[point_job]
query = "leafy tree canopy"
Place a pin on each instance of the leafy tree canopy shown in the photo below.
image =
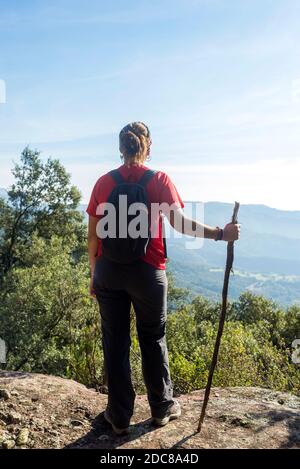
(42, 200)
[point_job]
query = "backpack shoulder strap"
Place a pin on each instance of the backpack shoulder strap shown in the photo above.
(115, 174)
(148, 174)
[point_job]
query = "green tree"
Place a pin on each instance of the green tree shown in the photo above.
(248, 355)
(177, 297)
(292, 325)
(205, 309)
(251, 309)
(47, 318)
(42, 201)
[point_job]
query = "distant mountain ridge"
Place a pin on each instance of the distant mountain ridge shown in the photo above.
(270, 238)
(267, 257)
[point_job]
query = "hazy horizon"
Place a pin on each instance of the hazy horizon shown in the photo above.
(186, 201)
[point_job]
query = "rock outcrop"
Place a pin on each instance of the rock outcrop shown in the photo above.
(38, 411)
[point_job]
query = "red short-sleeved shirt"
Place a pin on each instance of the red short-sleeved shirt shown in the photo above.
(160, 189)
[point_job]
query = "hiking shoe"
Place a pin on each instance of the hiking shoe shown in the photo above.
(171, 414)
(118, 431)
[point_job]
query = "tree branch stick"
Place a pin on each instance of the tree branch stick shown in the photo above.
(228, 269)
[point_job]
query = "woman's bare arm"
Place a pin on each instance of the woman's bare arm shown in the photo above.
(92, 242)
(181, 223)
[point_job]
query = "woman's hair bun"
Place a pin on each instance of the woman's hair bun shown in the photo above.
(134, 140)
(130, 142)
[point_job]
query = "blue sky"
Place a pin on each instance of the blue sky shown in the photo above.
(217, 81)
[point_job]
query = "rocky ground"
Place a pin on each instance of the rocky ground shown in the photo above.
(38, 411)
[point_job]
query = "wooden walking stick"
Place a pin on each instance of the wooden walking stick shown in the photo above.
(228, 269)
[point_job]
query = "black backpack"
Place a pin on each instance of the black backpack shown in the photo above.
(125, 249)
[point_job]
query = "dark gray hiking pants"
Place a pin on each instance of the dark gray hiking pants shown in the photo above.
(117, 286)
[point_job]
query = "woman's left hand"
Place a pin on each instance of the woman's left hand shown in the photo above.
(231, 232)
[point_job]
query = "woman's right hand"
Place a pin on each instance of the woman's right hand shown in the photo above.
(92, 291)
(231, 232)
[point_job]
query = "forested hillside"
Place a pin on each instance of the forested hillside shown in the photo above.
(267, 259)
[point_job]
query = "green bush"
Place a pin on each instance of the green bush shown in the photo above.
(47, 318)
(247, 357)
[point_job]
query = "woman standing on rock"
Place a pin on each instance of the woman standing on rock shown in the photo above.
(130, 270)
